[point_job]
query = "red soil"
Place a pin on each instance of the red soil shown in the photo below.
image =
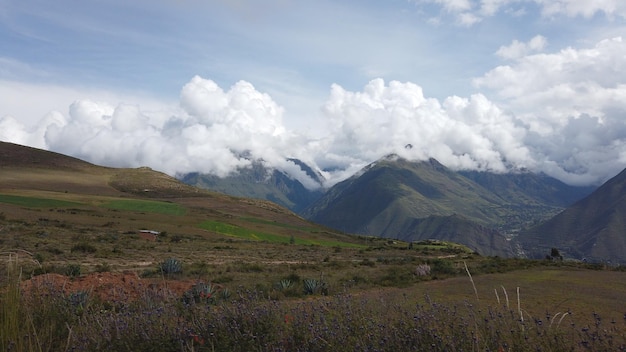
(108, 286)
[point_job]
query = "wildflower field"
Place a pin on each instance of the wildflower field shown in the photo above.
(540, 308)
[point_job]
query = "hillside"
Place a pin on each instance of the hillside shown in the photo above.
(49, 202)
(260, 182)
(389, 197)
(529, 188)
(455, 228)
(396, 198)
(592, 228)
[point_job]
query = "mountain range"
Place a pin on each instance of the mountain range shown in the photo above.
(259, 181)
(510, 214)
(401, 199)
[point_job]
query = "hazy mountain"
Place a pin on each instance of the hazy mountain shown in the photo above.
(593, 228)
(396, 198)
(261, 182)
(530, 188)
(392, 197)
(530, 198)
(455, 228)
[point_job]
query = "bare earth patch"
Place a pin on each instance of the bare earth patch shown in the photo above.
(108, 286)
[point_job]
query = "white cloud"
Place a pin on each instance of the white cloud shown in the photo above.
(213, 131)
(560, 113)
(462, 133)
(518, 49)
(469, 12)
(584, 8)
(573, 103)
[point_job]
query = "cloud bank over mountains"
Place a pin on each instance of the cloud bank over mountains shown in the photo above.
(562, 113)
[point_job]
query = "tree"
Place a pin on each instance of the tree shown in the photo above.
(555, 254)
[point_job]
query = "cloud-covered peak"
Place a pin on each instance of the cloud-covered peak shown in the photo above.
(213, 131)
(560, 113)
(462, 133)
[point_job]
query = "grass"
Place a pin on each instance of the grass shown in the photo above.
(374, 320)
(248, 234)
(146, 206)
(36, 202)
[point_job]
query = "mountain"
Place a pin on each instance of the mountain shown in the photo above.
(530, 188)
(397, 198)
(455, 228)
(531, 198)
(54, 193)
(260, 182)
(593, 228)
(392, 197)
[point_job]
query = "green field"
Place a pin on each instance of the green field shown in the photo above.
(147, 206)
(245, 233)
(36, 202)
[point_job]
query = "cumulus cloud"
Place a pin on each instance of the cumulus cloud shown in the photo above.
(462, 133)
(213, 131)
(519, 49)
(582, 8)
(572, 104)
(560, 113)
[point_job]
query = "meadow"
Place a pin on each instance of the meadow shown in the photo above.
(553, 309)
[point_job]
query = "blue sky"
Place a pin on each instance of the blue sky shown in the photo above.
(492, 84)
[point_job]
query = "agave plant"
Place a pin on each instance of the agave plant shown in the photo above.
(171, 266)
(314, 286)
(201, 292)
(284, 284)
(225, 294)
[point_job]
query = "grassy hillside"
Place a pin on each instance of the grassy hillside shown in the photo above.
(392, 197)
(50, 202)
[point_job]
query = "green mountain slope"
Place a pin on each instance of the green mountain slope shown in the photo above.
(387, 195)
(260, 182)
(392, 197)
(530, 188)
(594, 228)
(455, 228)
(38, 188)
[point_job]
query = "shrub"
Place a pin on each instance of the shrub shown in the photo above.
(422, 270)
(201, 292)
(72, 270)
(83, 247)
(314, 286)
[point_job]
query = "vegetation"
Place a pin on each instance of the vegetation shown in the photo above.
(35, 202)
(203, 283)
(146, 206)
(431, 316)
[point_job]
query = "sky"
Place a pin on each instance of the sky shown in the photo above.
(209, 85)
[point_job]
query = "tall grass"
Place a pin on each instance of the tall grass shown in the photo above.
(48, 319)
(16, 329)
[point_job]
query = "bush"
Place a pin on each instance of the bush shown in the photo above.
(83, 247)
(72, 270)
